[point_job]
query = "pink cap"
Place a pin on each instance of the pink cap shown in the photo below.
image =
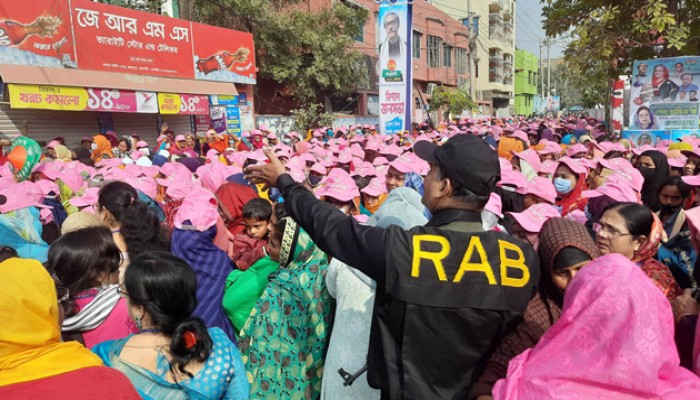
(212, 155)
(376, 187)
(52, 144)
(17, 197)
(380, 161)
(344, 157)
(256, 132)
(515, 179)
(372, 145)
(615, 188)
(263, 127)
(272, 136)
(179, 189)
(575, 165)
(245, 134)
(141, 144)
(550, 148)
(520, 134)
(50, 169)
(402, 165)
(293, 135)
(542, 188)
(47, 187)
(631, 177)
(145, 184)
(530, 156)
(339, 188)
(549, 167)
(390, 150)
(576, 149)
(638, 151)
(693, 180)
(73, 180)
(319, 169)
(200, 208)
(180, 138)
(535, 216)
(677, 162)
(87, 199)
(695, 152)
(494, 205)
(364, 169)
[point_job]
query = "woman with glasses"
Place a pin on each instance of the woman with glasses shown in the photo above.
(174, 355)
(34, 362)
(632, 230)
(87, 263)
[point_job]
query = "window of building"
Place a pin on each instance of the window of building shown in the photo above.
(447, 56)
(434, 46)
(476, 70)
(460, 61)
(417, 38)
(529, 77)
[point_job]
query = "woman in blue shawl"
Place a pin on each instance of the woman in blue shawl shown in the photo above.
(192, 240)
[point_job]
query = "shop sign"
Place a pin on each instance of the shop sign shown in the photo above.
(233, 120)
(171, 103)
(117, 39)
(223, 100)
(67, 98)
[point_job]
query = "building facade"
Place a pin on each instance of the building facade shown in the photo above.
(492, 51)
(440, 57)
(526, 76)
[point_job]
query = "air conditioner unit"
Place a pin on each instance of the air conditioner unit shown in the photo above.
(431, 87)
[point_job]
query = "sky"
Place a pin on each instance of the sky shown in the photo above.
(528, 28)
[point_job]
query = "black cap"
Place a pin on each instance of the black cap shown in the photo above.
(465, 159)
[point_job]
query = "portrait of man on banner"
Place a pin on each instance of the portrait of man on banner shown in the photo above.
(393, 47)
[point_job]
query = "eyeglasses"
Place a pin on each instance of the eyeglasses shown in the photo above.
(600, 228)
(121, 292)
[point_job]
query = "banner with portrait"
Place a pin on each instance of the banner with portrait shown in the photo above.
(395, 66)
(664, 94)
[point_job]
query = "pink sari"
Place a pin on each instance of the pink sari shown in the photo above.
(614, 340)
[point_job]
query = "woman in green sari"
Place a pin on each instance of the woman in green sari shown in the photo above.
(284, 340)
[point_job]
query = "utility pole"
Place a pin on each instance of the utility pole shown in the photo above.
(469, 49)
(549, 68)
(539, 44)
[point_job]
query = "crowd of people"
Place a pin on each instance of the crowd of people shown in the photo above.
(496, 258)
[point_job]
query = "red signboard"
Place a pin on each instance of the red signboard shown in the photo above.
(118, 39)
(223, 54)
(36, 32)
(89, 35)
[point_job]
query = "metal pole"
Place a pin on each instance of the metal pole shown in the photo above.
(539, 43)
(469, 47)
(549, 68)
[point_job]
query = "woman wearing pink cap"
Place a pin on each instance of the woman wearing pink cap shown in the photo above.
(569, 182)
(342, 193)
(373, 195)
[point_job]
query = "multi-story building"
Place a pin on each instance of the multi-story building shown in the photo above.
(526, 76)
(440, 46)
(492, 51)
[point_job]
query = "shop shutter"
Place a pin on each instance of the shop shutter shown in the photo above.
(44, 125)
(146, 125)
(180, 124)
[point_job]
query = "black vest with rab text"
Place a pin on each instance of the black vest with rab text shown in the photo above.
(448, 299)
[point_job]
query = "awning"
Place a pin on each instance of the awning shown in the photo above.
(109, 80)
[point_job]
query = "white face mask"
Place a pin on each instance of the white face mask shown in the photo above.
(93, 146)
(145, 150)
(167, 145)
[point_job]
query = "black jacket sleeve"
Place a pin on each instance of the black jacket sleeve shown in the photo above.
(342, 237)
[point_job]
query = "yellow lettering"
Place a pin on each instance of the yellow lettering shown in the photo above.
(518, 263)
(482, 266)
(436, 258)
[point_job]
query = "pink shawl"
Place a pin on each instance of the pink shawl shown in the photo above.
(614, 340)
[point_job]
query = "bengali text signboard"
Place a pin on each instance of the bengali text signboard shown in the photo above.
(81, 99)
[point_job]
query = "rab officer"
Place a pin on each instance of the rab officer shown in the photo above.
(447, 292)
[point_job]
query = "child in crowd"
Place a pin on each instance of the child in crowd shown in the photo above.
(249, 245)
